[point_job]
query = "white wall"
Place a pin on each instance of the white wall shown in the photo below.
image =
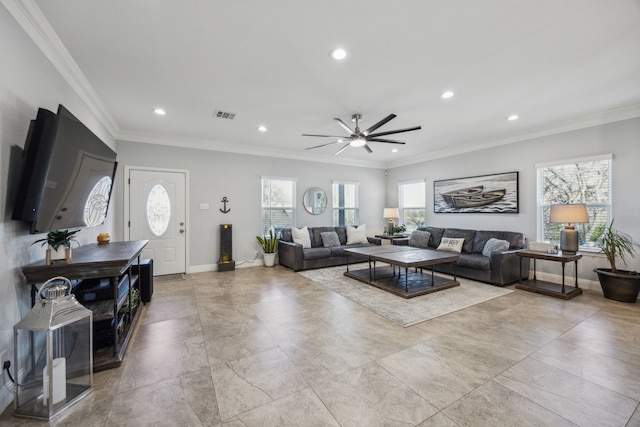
(214, 175)
(27, 81)
(619, 138)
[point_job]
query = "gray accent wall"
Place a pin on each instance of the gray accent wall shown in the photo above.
(622, 139)
(214, 175)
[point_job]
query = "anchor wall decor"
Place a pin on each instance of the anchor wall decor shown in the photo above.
(225, 201)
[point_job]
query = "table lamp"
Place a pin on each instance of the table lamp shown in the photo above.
(569, 214)
(390, 214)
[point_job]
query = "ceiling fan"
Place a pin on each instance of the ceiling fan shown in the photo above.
(357, 138)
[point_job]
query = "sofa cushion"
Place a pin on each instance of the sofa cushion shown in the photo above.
(329, 239)
(357, 235)
(476, 261)
(516, 240)
(419, 239)
(457, 233)
(316, 253)
(436, 235)
(451, 245)
(301, 235)
(493, 245)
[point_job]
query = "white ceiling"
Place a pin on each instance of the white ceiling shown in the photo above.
(557, 64)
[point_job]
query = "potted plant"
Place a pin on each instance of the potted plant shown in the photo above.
(399, 229)
(59, 244)
(269, 246)
(619, 285)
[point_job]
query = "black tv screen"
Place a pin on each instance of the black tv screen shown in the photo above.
(79, 179)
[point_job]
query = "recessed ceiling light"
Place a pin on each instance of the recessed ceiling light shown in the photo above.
(262, 128)
(513, 117)
(395, 150)
(446, 95)
(338, 54)
(159, 111)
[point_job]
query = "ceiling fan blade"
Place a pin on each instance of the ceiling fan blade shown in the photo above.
(388, 141)
(322, 145)
(391, 132)
(326, 136)
(380, 123)
(344, 147)
(343, 125)
(366, 147)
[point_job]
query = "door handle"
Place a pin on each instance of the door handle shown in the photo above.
(181, 230)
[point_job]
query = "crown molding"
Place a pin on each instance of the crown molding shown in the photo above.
(33, 22)
(210, 145)
(595, 119)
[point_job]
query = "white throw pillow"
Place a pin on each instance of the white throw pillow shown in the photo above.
(451, 245)
(301, 235)
(356, 235)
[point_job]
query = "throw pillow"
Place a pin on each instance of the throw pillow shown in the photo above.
(451, 245)
(493, 245)
(419, 239)
(356, 235)
(329, 239)
(301, 235)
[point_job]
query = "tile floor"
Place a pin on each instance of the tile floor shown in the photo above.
(267, 347)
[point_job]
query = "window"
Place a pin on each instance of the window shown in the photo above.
(575, 181)
(345, 203)
(412, 203)
(278, 203)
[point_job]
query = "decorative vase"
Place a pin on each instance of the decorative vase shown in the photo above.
(622, 286)
(269, 260)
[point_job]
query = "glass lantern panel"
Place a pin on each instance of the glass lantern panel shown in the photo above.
(158, 210)
(43, 391)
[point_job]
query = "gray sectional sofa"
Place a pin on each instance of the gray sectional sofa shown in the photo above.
(499, 268)
(294, 256)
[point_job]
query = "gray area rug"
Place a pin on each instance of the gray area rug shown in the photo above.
(405, 312)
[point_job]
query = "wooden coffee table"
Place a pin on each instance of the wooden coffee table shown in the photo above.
(414, 282)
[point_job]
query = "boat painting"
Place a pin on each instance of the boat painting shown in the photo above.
(448, 196)
(497, 193)
(478, 199)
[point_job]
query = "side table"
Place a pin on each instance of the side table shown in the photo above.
(549, 288)
(390, 237)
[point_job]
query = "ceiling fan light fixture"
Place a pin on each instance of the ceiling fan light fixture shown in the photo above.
(358, 142)
(446, 94)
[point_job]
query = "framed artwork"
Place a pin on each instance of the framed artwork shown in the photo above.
(497, 193)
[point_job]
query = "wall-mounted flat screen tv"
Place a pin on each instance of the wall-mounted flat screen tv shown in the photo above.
(75, 190)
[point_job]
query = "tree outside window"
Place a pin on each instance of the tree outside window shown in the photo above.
(278, 204)
(585, 181)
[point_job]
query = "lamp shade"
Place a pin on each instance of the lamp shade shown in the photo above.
(569, 213)
(391, 213)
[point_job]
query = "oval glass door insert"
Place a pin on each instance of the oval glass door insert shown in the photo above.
(158, 210)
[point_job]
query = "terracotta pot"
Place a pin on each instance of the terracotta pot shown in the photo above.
(622, 286)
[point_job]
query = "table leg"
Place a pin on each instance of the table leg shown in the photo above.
(563, 277)
(534, 270)
(520, 277)
(575, 268)
(406, 278)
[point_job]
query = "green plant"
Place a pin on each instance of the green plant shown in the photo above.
(613, 242)
(399, 228)
(269, 243)
(57, 238)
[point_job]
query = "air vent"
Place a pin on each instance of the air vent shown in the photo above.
(224, 115)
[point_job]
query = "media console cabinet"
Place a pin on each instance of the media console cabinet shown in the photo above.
(110, 262)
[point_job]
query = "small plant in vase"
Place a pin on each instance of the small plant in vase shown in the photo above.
(269, 246)
(59, 244)
(399, 229)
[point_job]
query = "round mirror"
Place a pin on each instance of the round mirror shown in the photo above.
(315, 200)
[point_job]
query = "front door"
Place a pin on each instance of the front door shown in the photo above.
(157, 213)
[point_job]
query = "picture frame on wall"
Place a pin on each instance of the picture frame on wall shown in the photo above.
(496, 193)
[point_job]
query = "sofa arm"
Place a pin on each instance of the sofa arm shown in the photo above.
(505, 267)
(291, 255)
(400, 242)
(374, 240)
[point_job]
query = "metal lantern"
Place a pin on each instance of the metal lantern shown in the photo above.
(53, 352)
